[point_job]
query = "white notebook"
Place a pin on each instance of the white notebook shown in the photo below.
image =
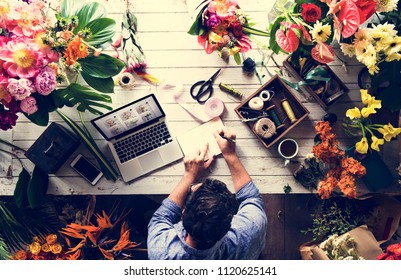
(195, 138)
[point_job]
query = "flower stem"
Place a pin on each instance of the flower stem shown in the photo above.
(363, 130)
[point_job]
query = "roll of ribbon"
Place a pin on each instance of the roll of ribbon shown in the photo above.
(256, 103)
(214, 107)
(264, 95)
(265, 128)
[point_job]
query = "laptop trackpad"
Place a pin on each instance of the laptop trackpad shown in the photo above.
(151, 161)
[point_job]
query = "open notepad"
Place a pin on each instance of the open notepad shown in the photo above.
(195, 138)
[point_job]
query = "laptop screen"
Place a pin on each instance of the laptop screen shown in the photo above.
(128, 118)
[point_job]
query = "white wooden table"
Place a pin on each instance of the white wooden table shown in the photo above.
(175, 56)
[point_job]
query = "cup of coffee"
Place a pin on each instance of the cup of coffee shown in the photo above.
(288, 149)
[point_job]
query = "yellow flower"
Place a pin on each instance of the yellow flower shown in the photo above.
(348, 49)
(365, 96)
(362, 146)
(213, 37)
(35, 248)
(353, 113)
(389, 132)
(376, 142)
(368, 111)
(320, 33)
(46, 248)
(56, 248)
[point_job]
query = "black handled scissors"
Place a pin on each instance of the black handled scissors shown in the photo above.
(205, 89)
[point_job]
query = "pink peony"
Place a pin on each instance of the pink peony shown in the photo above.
(22, 58)
(223, 8)
(20, 89)
(28, 105)
(27, 19)
(45, 81)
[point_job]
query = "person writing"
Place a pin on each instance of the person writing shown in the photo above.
(204, 220)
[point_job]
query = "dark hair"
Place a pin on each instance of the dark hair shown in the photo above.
(209, 212)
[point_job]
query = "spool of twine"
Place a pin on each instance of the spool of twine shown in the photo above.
(288, 110)
(274, 117)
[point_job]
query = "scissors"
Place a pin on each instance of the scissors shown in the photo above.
(205, 89)
(250, 115)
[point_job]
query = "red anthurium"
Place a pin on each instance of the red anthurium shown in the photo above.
(203, 40)
(288, 41)
(349, 18)
(366, 9)
(323, 53)
(304, 32)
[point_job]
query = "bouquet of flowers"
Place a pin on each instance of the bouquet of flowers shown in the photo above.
(359, 124)
(343, 169)
(307, 28)
(48, 249)
(43, 51)
(222, 26)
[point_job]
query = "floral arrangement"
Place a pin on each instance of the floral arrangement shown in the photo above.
(392, 252)
(343, 169)
(307, 28)
(340, 248)
(41, 46)
(222, 26)
(48, 249)
(358, 123)
(96, 239)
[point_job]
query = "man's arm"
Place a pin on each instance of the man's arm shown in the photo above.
(195, 165)
(238, 173)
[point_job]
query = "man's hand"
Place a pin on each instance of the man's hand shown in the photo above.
(195, 164)
(227, 147)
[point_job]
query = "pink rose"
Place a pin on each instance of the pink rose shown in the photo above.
(20, 89)
(28, 105)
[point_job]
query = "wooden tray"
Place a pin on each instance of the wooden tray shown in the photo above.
(281, 91)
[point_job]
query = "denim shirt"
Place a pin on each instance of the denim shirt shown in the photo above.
(245, 239)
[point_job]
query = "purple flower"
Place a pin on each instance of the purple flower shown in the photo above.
(213, 21)
(45, 81)
(20, 89)
(7, 119)
(28, 105)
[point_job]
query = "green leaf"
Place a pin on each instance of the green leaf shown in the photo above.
(103, 30)
(105, 85)
(88, 13)
(387, 84)
(20, 191)
(37, 187)
(108, 170)
(4, 254)
(254, 31)
(70, 7)
(45, 105)
(272, 41)
(85, 98)
(196, 28)
(41, 117)
(237, 58)
(102, 66)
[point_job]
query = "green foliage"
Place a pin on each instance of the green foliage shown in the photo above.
(102, 30)
(84, 97)
(196, 27)
(102, 66)
(30, 191)
(334, 217)
(21, 188)
(88, 13)
(4, 254)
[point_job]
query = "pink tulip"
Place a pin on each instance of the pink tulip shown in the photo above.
(288, 42)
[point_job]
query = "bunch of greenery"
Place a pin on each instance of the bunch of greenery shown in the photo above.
(334, 217)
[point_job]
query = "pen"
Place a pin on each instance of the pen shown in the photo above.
(228, 139)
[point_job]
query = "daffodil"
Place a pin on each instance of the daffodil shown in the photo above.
(362, 146)
(389, 132)
(353, 113)
(376, 142)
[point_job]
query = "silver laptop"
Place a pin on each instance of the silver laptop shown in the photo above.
(138, 137)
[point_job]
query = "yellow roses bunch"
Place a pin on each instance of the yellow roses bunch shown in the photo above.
(50, 249)
(359, 119)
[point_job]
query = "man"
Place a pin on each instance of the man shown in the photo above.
(202, 220)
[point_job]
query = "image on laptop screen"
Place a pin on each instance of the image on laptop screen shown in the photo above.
(134, 115)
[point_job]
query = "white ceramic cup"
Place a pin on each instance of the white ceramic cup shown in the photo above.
(288, 149)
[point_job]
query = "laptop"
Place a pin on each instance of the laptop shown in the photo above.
(138, 137)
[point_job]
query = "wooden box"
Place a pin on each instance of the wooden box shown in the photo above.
(325, 93)
(281, 92)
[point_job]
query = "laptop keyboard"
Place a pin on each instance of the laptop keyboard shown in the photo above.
(142, 142)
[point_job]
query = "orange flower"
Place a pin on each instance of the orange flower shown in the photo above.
(20, 255)
(35, 248)
(103, 221)
(56, 248)
(326, 187)
(46, 248)
(75, 49)
(51, 239)
(74, 256)
(124, 242)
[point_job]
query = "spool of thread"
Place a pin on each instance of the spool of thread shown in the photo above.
(230, 90)
(214, 107)
(288, 110)
(264, 95)
(274, 117)
(256, 103)
(265, 128)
